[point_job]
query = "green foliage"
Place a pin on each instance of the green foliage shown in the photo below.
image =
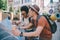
(1, 4)
(4, 5)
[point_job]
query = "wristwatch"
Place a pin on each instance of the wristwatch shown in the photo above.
(21, 34)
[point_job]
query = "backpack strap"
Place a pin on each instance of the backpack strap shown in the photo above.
(38, 17)
(48, 21)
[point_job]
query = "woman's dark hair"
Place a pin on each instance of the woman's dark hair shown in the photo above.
(25, 8)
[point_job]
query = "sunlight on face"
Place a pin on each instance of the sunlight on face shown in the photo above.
(30, 13)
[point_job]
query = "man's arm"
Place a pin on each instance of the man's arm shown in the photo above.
(35, 33)
(41, 25)
(29, 34)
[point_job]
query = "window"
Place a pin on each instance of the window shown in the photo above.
(46, 2)
(55, 0)
(27, 1)
(22, 1)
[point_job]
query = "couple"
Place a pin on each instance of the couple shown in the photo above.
(40, 27)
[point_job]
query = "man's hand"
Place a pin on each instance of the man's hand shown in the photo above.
(16, 32)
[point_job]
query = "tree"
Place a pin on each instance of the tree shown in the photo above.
(4, 4)
(1, 4)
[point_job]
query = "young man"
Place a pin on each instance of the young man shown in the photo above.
(4, 34)
(42, 28)
(5, 28)
(6, 20)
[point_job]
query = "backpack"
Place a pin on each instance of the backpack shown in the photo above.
(53, 25)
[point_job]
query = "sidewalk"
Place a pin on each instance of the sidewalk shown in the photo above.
(56, 36)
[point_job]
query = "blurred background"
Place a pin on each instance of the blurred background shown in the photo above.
(46, 7)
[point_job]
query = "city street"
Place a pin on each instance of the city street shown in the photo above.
(20, 18)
